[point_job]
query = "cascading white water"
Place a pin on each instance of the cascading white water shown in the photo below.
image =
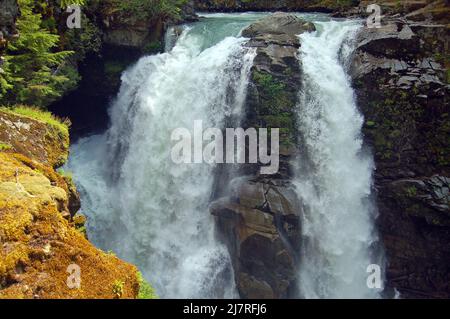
(334, 176)
(153, 213)
(149, 210)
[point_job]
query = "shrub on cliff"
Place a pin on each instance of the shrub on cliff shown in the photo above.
(33, 73)
(145, 9)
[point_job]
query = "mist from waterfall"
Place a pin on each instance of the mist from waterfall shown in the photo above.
(147, 209)
(334, 175)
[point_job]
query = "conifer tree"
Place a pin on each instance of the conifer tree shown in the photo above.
(31, 73)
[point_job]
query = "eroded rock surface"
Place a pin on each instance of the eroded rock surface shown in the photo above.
(401, 79)
(260, 219)
(40, 237)
(37, 140)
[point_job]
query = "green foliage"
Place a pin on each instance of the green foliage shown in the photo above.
(4, 147)
(32, 73)
(411, 191)
(268, 84)
(66, 3)
(82, 230)
(370, 124)
(149, 9)
(83, 40)
(111, 253)
(145, 290)
(65, 174)
(118, 288)
(153, 47)
(274, 96)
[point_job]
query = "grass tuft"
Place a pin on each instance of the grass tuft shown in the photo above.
(40, 115)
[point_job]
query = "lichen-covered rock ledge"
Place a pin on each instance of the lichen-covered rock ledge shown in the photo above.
(40, 233)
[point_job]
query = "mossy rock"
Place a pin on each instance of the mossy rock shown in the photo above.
(35, 133)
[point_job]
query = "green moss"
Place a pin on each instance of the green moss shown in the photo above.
(283, 120)
(114, 68)
(40, 115)
(153, 47)
(111, 253)
(370, 124)
(273, 94)
(145, 290)
(411, 191)
(268, 83)
(118, 288)
(65, 174)
(82, 230)
(5, 147)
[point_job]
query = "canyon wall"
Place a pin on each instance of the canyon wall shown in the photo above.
(401, 77)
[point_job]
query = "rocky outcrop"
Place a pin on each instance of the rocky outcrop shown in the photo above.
(137, 29)
(401, 78)
(40, 238)
(260, 219)
(260, 223)
(40, 141)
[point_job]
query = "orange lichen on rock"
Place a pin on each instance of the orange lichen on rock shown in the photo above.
(37, 244)
(40, 239)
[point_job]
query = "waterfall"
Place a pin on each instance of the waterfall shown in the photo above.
(149, 210)
(154, 213)
(334, 175)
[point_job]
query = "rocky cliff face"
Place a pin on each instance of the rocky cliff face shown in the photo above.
(260, 220)
(273, 5)
(40, 235)
(401, 78)
(9, 10)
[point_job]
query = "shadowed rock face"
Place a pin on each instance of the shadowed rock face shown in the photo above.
(260, 218)
(401, 80)
(9, 10)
